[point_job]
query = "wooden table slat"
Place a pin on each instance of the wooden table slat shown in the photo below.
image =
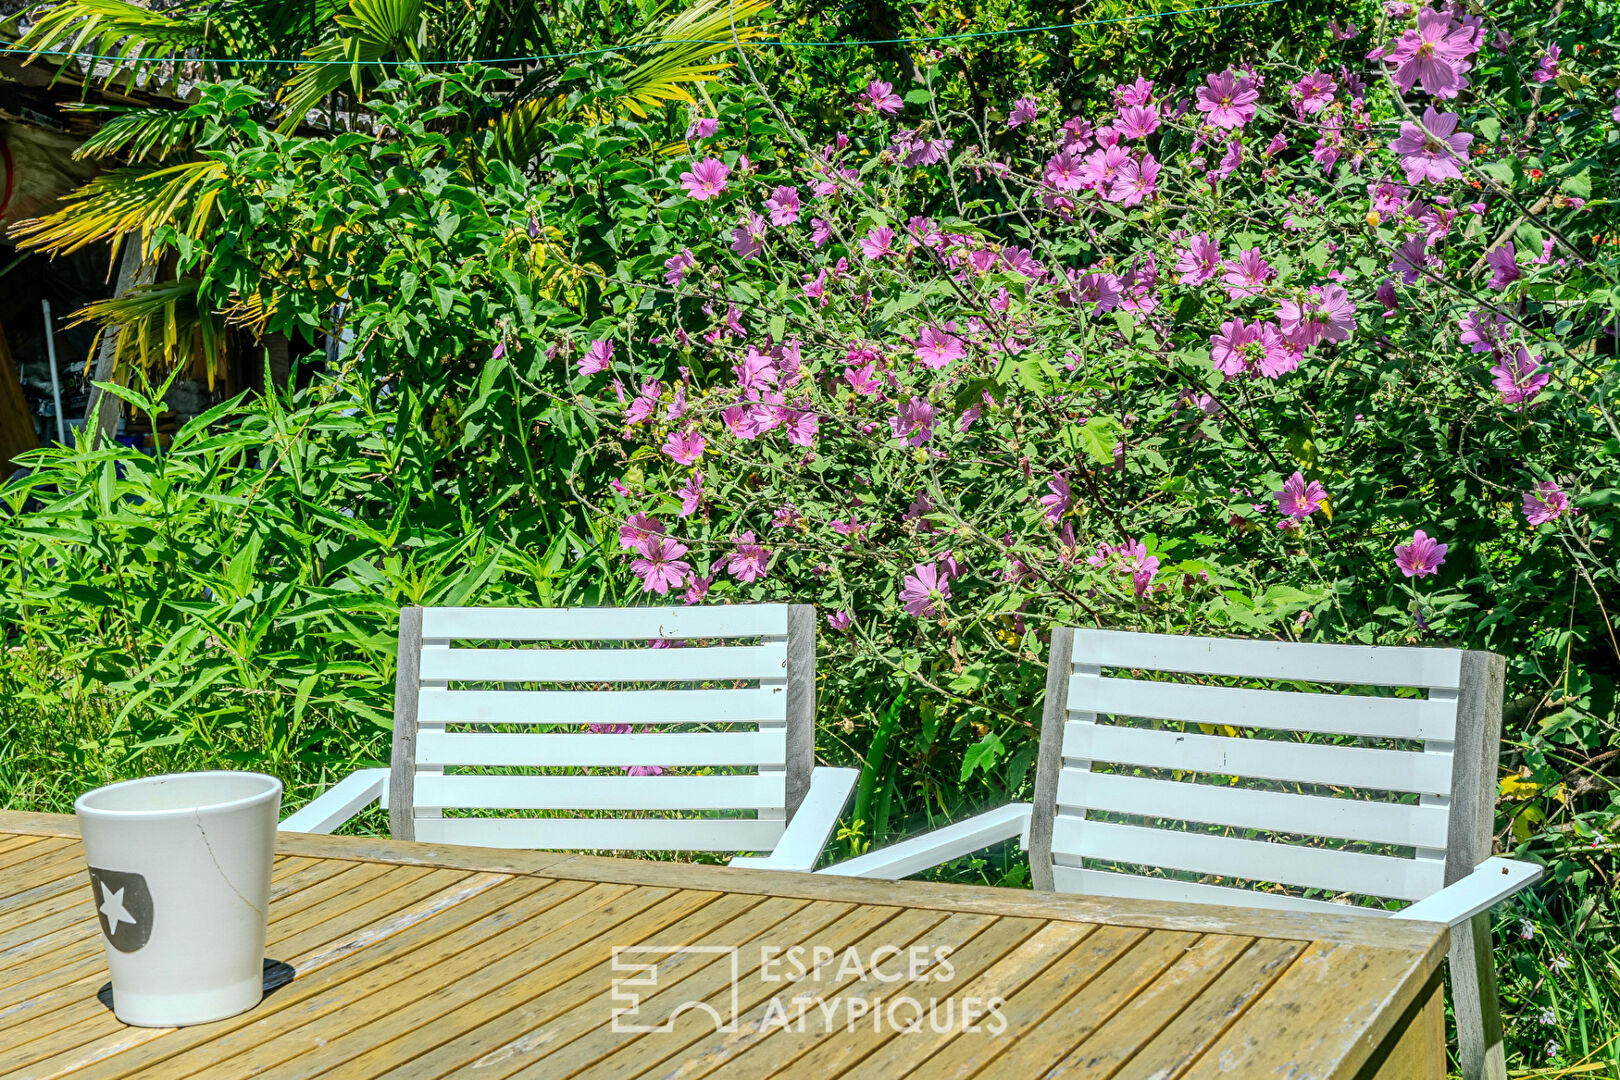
(424, 961)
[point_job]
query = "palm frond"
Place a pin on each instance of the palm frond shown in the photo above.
(120, 201)
(159, 327)
(377, 29)
(687, 49)
(133, 37)
(138, 134)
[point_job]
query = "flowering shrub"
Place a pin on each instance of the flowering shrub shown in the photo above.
(1301, 351)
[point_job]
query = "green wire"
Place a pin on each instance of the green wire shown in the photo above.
(503, 60)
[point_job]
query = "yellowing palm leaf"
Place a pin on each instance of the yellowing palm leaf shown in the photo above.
(120, 201)
(135, 37)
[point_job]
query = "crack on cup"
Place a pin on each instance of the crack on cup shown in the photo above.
(202, 832)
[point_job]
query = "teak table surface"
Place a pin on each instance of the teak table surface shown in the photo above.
(420, 960)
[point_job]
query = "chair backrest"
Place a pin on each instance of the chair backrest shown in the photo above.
(571, 729)
(1161, 776)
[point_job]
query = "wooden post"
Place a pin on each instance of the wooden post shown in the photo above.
(101, 416)
(17, 433)
(1468, 843)
(801, 702)
(402, 763)
(1054, 713)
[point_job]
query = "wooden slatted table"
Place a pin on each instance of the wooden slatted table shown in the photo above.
(423, 961)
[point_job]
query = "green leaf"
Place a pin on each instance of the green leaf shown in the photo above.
(982, 755)
(1099, 436)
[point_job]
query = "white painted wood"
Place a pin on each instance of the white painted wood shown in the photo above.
(604, 834)
(751, 705)
(939, 846)
(813, 822)
(1337, 714)
(725, 792)
(1492, 881)
(1267, 759)
(1246, 808)
(605, 624)
(1253, 860)
(1368, 665)
(678, 749)
(606, 665)
(338, 803)
(1072, 879)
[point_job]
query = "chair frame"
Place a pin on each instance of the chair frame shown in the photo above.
(815, 795)
(1473, 880)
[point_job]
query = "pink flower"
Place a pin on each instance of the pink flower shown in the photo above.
(1298, 500)
(1435, 54)
(1063, 172)
(706, 179)
(1326, 315)
(646, 403)
(1198, 261)
(1256, 348)
(691, 494)
(1546, 503)
(1547, 68)
(1247, 275)
(820, 231)
(1137, 180)
(676, 266)
(660, 566)
(881, 97)
(1520, 378)
(1314, 93)
(1227, 101)
(914, 423)
(1420, 558)
(1138, 92)
(1023, 111)
(783, 205)
(861, 379)
(747, 560)
(702, 127)
(598, 357)
(816, 288)
(639, 529)
(1058, 498)
(800, 425)
(698, 588)
(1131, 558)
(838, 620)
(1137, 122)
(1483, 330)
(936, 348)
(924, 589)
(747, 239)
(1385, 294)
(684, 448)
(875, 244)
(1431, 154)
(1411, 258)
(1503, 264)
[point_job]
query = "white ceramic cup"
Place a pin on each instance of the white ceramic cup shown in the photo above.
(180, 872)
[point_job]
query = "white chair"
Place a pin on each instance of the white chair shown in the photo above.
(463, 738)
(1145, 789)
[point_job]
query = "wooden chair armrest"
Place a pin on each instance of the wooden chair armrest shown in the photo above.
(813, 822)
(339, 803)
(1491, 882)
(939, 846)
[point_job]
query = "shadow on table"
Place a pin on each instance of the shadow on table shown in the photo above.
(277, 973)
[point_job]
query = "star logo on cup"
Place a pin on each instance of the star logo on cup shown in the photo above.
(125, 906)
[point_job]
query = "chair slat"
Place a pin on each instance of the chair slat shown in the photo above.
(1255, 860)
(1369, 665)
(1343, 766)
(474, 792)
(750, 705)
(1338, 714)
(604, 624)
(603, 834)
(605, 665)
(1140, 887)
(1310, 815)
(434, 746)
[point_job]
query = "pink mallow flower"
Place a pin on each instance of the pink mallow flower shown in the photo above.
(1199, 261)
(1058, 498)
(1547, 67)
(1327, 314)
(1227, 101)
(1247, 275)
(1298, 500)
(875, 244)
(1547, 502)
(691, 494)
(1420, 558)
(783, 205)
(936, 348)
(598, 357)
(880, 97)
(1431, 154)
(660, 566)
(684, 447)
(1434, 53)
(1314, 93)
(838, 620)
(1519, 378)
(914, 423)
(747, 560)
(676, 266)
(706, 179)
(1503, 264)
(1256, 348)
(1023, 111)
(638, 530)
(924, 589)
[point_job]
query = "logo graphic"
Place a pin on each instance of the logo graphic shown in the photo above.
(125, 906)
(642, 964)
